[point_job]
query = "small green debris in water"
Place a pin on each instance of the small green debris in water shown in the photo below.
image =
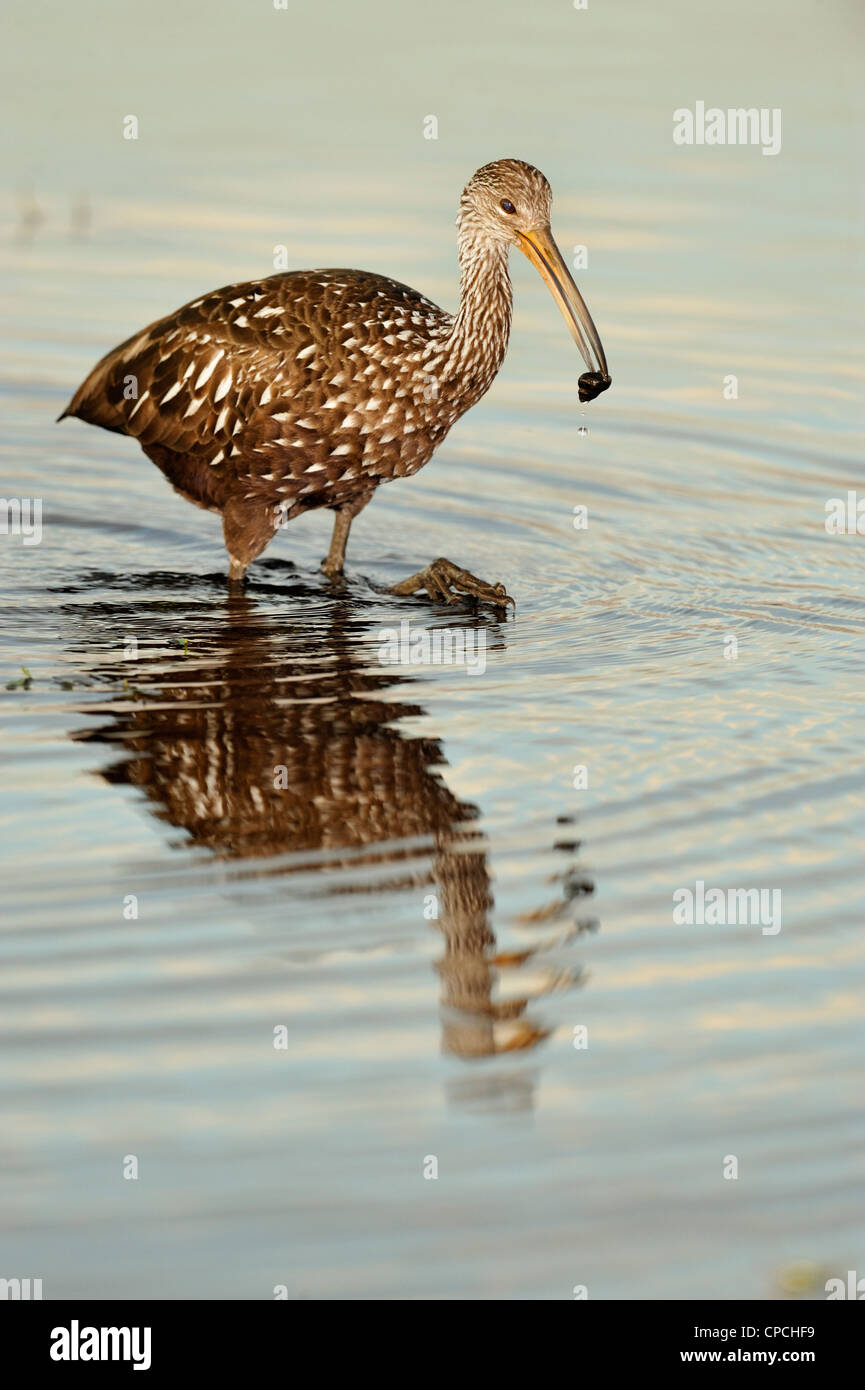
(800, 1279)
(133, 692)
(23, 683)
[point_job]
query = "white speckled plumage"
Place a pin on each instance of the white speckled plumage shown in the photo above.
(310, 388)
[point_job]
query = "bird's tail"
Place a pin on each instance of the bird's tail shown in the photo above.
(99, 399)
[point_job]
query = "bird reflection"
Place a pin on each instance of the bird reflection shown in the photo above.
(265, 740)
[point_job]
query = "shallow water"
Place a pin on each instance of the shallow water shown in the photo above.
(151, 773)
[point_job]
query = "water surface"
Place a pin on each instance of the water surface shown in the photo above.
(139, 757)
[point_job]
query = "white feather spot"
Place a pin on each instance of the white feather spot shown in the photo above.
(207, 372)
(223, 387)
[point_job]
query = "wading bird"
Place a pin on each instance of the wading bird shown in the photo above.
(307, 389)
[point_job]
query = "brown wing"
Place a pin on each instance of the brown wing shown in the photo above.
(301, 383)
(190, 381)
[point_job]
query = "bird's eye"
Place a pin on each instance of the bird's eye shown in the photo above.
(507, 206)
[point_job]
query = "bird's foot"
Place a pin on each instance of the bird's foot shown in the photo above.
(445, 582)
(332, 570)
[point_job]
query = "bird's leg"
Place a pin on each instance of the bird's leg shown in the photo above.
(445, 582)
(335, 559)
(333, 563)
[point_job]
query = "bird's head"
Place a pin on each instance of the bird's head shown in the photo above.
(509, 202)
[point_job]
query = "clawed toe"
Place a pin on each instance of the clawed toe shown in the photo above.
(446, 582)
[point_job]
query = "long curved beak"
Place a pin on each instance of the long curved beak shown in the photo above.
(538, 245)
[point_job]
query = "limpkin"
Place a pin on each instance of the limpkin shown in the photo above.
(307, 389)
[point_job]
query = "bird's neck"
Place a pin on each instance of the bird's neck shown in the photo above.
(476, 344)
